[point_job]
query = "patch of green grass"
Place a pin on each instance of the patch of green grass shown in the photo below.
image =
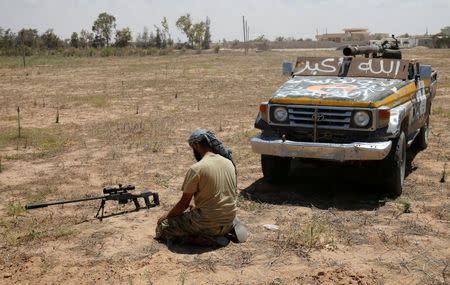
(317, 232)
(442, 212)
(40, 194)
(182, 276)
(154, 146)
(14, 210)
(148, 277)
(44, 142)
(206, 66)
(412, 227)
(36, 60)
(55, 233)
(250, 205)
(96, 101)
(146, 134)
(403, 205)
(311, 235)
(244, 136)
(442, 112)
(162, 180)
(443, 84)
(9, 118)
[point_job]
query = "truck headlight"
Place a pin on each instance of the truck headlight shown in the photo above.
(361, 119)
(280, 114)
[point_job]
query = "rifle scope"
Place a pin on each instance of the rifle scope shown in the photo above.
(112, 190)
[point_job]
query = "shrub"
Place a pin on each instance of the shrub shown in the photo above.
(106, 52)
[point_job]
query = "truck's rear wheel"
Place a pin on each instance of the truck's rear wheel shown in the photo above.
(394, 167)
(275, 169)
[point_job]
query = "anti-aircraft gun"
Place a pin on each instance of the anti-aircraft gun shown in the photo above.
(119, 194)
(388, 49)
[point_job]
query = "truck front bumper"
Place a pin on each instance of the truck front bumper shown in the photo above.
(325, 151)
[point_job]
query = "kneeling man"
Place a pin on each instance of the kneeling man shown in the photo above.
(212, 183)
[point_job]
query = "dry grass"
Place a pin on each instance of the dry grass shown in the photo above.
(126, 120)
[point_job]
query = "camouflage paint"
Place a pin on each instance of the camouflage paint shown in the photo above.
(347, 89)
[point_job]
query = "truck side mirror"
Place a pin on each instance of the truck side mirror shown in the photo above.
(416, 79)
(288, 68)
(417, 72)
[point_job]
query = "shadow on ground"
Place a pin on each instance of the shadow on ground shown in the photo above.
(326, 185)
(190, 249)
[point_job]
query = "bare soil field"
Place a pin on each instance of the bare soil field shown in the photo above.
(126, 120)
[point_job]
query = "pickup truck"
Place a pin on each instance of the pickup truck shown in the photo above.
(347, 109)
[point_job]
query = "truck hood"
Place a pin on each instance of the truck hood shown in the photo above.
(348, 90)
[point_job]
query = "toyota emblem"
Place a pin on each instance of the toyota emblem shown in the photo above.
(318, 117)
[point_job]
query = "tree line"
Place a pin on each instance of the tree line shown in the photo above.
(104, 34)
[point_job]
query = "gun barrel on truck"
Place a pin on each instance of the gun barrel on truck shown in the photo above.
(352, 51)
(376, 52)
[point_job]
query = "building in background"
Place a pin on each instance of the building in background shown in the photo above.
(348, 36)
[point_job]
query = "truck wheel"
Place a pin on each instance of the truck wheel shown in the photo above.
(395, 167)
(275, 169)
(421, 140)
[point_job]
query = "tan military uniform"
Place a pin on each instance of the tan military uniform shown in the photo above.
(212, 180)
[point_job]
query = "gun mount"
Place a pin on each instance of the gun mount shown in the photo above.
(119, 194)
(387, 49)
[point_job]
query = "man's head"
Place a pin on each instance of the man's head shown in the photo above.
(200, 149)
(203, 141)
(199, 143)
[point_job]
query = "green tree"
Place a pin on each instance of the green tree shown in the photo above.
(152, 40)
(184, 23)
(7, 39)
(260, 38)
(199, 33)
(143, 40)
(123, 37)
(207, 38)
(158, 38)
(28, 37)
(85, 39)
(50, 40)
(102, 28)
(74, 40)
(446, 31)
(165, 31)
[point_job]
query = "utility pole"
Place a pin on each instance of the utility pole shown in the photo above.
(246, 30)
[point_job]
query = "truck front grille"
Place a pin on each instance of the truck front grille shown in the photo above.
(322, 116)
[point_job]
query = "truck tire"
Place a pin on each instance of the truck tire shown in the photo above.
(421, 140)
(394, 167)
(275, 169)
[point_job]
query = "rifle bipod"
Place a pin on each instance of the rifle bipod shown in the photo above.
(102, 209)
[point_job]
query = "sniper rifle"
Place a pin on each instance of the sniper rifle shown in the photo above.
(119, 194)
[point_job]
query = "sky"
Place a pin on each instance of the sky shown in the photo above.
(287, 18)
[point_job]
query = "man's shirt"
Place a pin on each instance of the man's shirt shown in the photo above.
(212, 180)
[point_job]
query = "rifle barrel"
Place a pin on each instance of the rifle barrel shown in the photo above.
(46, 204)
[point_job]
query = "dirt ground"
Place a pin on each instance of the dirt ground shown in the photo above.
(126, 120)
